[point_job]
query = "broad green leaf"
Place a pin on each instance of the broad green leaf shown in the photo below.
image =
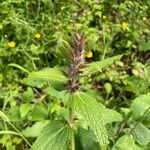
(126, 143)
(28, 95)
(109, 115)
(38, 113)
(141, 134)
(90, 109)
(49, 74)
(56, 136)
(57, 94)
(35, 129)
(140, 105)
(97, 66)
(14, 114)
(34, 82)
(24, 109)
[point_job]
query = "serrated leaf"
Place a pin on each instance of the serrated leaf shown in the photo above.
(126, 142)
(140, 105)
(97, 66)
(141, 134)
(35, 129)
(49, 74)
(56, 136)
(110, 116)
(90, 109)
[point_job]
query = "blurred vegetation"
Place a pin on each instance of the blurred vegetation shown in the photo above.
(31, 37)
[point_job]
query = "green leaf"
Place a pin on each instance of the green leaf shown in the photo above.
(38, 113)
(28, 95)
(14, 114)
(57, 94)
(24, 109)
(141, 134)
(97, 66)
(110, 116)
(33, 82)
(144, 46)
(90, 109)
(18, 67)
(85, 139)
(49, 74)
(56, 136)
(126, 142)
(140, 105)
(35, 129)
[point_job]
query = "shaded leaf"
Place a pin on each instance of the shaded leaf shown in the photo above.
(141, 134)
(126, 142)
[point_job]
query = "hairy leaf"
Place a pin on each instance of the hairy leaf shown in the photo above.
(110, 115)
(48, 74)
(56, 136)
(90, 109)
(35, 129)
(97, 66)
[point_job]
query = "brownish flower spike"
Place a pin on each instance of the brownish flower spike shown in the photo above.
(77, 62)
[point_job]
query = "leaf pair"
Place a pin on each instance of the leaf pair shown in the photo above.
(57, 135)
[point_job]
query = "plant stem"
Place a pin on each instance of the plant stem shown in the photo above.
(71, 122)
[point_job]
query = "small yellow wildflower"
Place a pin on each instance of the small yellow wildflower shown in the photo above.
(124, 25)
(11, 44)
(89, 54)
(144, 18)
(104, 17)
(37, 36)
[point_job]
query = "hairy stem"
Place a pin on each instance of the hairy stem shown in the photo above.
(71, 122)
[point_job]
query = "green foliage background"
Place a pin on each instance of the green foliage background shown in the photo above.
(116, 27)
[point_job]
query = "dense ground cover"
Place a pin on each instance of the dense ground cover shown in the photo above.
(96, 50)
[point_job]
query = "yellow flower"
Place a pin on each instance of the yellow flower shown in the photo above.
(37, 36)
(104, 17)
(144, 18)
(11, 44)
(89, 54)
(124, 25)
